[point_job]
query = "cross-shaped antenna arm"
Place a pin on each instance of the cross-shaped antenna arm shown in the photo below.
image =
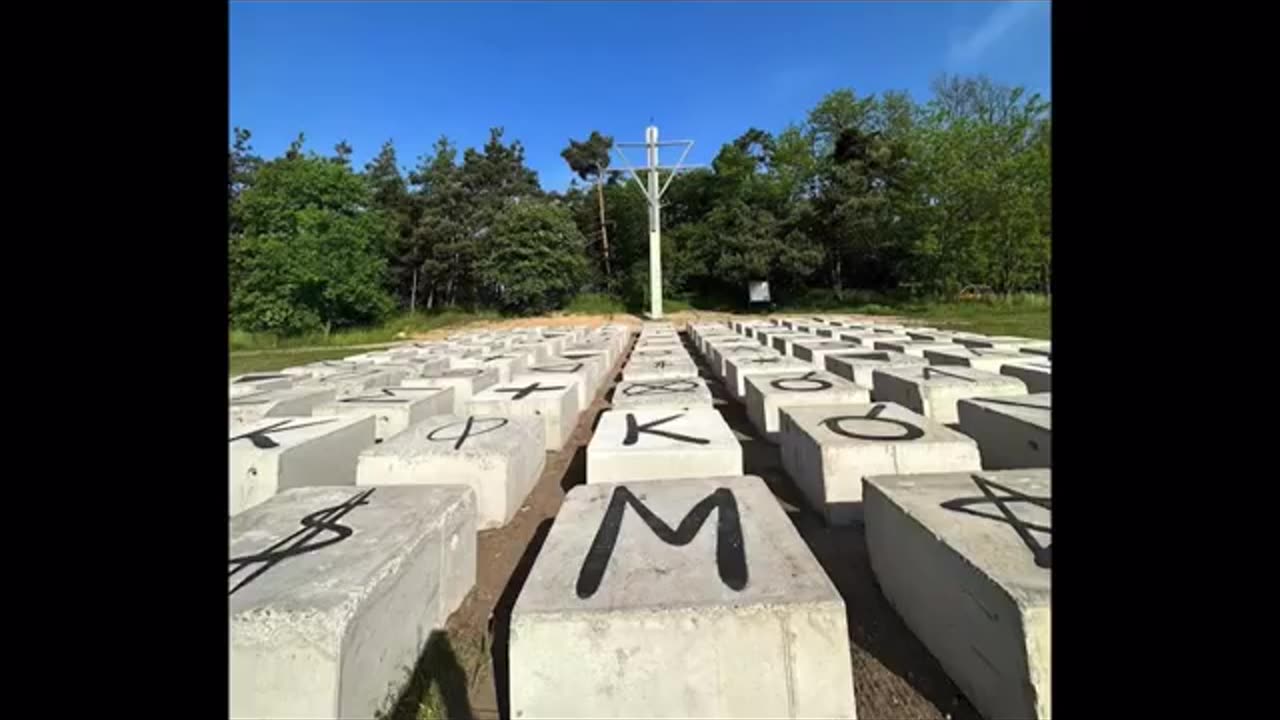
(676, 169)
(633, 176)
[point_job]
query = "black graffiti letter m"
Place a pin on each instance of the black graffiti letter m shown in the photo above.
(731, 558)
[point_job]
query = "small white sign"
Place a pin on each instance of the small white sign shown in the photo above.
(758, 290)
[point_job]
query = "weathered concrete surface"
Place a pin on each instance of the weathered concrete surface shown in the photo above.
(933, 391)
(816, 351)
(597, 362)
(464, 382)
(857, 365)
(1037, 374)
(965, 560)
(828, 450)
(393, 409)
(555, 400)
(507, 364)
(356, 383)
(868, 338)
(719, 355)
(279, 453)
(611, 353)
(979, 358)
(578, 372)
(997, 342)
(500, 458)
(679, 392)
(927, 334)
(642, 370)
(912, 347)
(674, 353)
(325, 368)
(1013, 432)
(645, 628)
(334, 592)
(1040, 348)
(737, 368)
(784, 342)
(259, 382)
(767, 393)
(660, 443)
(290, 402)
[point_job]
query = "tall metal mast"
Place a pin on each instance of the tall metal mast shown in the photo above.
(654, 194)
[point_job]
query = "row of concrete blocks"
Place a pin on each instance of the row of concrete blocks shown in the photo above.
(359, 503)
(950, 566)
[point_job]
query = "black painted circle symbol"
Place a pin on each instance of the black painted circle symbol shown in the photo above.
(909, 431)
(816, 383)
(469, 428)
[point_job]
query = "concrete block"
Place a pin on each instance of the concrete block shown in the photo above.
(647, 607)
(356, 383)
(464, 382)
(553, 400)
(679, 393)
(828, 450)
(279, 453)
(766, 393)
(259, 382)
(500, 458)
(998, 342)
(716, 353)
(933, 391)
(640, 371)
(1012, 432)
(333, 593)
(815, 352)
(393, 409)
(964, 558)
(535, 353)
(1035, 374)
(656, 443)
(1040, 348)
(784, 342)
(578, 372)
(611, 353)
(325, 368)
(596, 362)
(291, 402)
(736, 370)
(507, 364)
(673, 353)
(930, 335)
(979, 358)
(856, 366)
(912, 347)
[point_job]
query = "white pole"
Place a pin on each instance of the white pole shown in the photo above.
(655, 229)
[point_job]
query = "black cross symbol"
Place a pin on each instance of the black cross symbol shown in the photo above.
(526, 391)
(260, 437)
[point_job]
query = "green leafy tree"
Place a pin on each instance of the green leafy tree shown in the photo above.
(309, 257)
(535, 261)
(390, 195)
(589, 159)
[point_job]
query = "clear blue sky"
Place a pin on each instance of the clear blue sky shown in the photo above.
(548, 71)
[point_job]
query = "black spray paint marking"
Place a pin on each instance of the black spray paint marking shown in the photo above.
(325, 520)
(488, 425)
(527, 390)
(807, 382)
(634, 429)
(1022, 527)
(261, 437)
(909, 431)
(731, 557)
(657, 387)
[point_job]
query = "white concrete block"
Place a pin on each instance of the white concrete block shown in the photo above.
(279, 453)
(577, 372)
(673, 353)
(393, 409)
(719, 354)
(736, 370)
(965, 560)
(464, 382)
(933, 391)
(1039, 348)
(647, 606)
(507, 364)
(828, 450)
(784, 342)
(998, 342)
(657, 443)
(1013, 432)
(535, 353)
(815, 352)
(679, 393)
(980, 358)
(356, 383)
(596, 362)
(612, 353)
(259, 382)
(641, 370)
(554, 401)
(1036, 374)
(912, 347)
(931, 335)
(500, 458)
(291, 402)
(333, 593)
(766, 393)
(857, 365)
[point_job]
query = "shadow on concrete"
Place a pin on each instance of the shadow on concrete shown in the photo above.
(576, 473)
(500, 623)
(438, 681)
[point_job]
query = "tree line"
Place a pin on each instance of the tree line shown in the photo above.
(867, 193)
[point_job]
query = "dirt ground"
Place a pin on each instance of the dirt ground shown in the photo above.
(463, 671)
